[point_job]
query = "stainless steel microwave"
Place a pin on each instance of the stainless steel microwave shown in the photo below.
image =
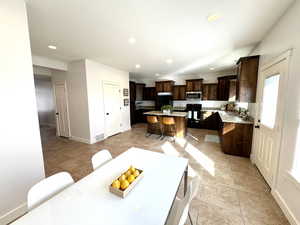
(194, 95)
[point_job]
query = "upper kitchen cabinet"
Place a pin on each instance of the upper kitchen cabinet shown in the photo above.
(209, 91)
(149, 93)
(226, 88)
(247, 72)
(139, 91)
(179, 92)
(164, 86)
(194, 85)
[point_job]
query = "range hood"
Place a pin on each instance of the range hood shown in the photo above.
(164, 93)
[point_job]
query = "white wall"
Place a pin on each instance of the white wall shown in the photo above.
(84, 80)
(96, 73)
(283, 36)
(78, 101)
(38, 70)
(21, 159)
(49, 63)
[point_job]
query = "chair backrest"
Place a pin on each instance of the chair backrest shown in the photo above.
(101, 158)
(184, 204)
(47, 188)
(152, 119)
(168, 120)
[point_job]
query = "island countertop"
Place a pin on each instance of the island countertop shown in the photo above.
(159, 113)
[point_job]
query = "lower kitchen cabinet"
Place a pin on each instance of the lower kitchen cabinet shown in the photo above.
(236, 138)
(139, 116)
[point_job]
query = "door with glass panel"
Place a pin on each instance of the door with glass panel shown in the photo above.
(269, 123)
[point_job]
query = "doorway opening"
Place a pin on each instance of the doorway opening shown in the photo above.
(45, 106)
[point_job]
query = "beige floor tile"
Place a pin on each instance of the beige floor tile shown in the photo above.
(231, 192)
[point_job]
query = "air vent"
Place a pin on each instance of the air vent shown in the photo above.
(99, 137)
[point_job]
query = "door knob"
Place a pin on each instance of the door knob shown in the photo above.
(107, 113)
(257, 126)
(57, 113)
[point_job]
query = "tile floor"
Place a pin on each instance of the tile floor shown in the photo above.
(232, 192)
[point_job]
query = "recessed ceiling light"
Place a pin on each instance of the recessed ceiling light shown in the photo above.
(157, 74)
(169, 61)
(52, 47)
(213, 17)
(137, 66)
(131, 40)
(212, 68)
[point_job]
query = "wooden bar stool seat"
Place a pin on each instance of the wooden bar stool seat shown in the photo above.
(168, 126)
(153, 126)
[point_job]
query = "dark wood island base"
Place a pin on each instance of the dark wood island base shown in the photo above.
(180, 123)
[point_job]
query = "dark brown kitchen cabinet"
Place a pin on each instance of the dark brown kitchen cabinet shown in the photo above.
(247, 72)
(149, 93)
(209, 91)
(223, 90)
(194, 85)
(159, 86)
(179, 92)
(236, 138)
(132, 91)
(232, 90)
(139, 91)
(164, 86)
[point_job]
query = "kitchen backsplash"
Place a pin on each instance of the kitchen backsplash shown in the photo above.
(145, 103)
(205, 104)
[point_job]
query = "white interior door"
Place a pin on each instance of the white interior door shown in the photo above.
(112, 109)
(62, 115)
(268, 130)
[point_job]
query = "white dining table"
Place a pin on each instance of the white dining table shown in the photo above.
(89, 201)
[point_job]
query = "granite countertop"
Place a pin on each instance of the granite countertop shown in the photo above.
(159, 113)
(230, 117)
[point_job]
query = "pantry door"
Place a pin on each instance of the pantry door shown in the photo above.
(267, 135)
(112, 108)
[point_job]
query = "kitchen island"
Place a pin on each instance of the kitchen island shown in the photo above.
(180, 121)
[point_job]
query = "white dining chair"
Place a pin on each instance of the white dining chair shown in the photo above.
(180, 210)
(47, 188)
(101, 158)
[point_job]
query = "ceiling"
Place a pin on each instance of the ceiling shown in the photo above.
(168, 29)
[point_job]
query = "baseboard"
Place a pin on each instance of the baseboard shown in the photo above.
(87, 141)
(286, 210)
(13, 214)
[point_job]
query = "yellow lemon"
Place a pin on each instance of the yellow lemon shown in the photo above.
(128, 173)
(116, 184)
(123, 177)
(136, 173)
(124, 184)
(132, 169)
(131, 178)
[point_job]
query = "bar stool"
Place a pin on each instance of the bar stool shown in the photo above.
(153, 126)
(168, 126)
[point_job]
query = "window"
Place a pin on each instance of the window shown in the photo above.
(269, 104)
